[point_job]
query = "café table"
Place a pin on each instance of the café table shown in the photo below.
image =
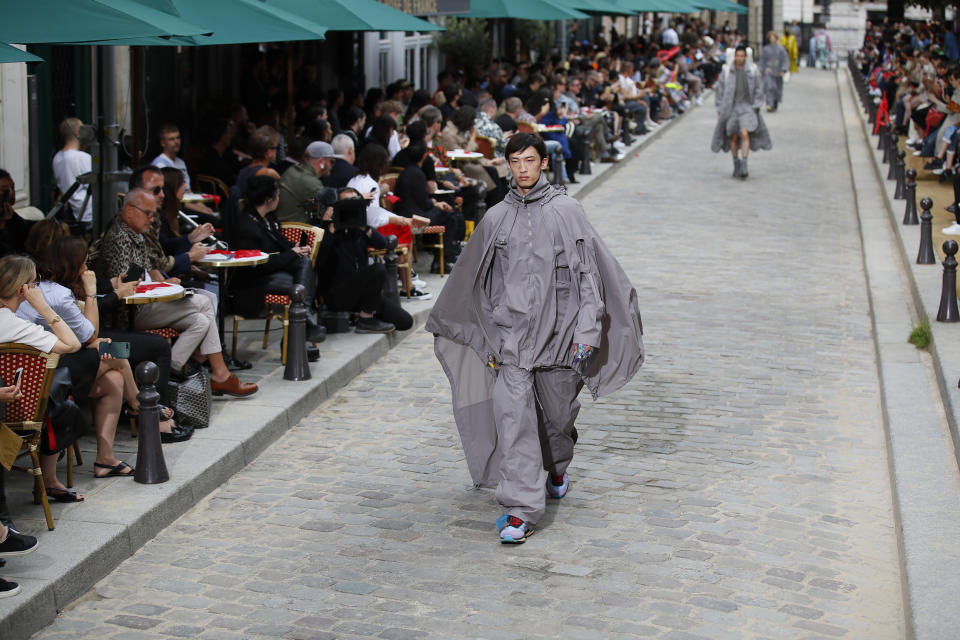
(226, 261)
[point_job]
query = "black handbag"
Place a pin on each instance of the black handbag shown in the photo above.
(65, 421)
(191, 397)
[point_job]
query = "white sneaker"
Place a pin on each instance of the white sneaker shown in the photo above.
(698, 101)
(418, 283)
(917, 152)
(652, 124)
(937, 171)
(952, 230)
(619, 146)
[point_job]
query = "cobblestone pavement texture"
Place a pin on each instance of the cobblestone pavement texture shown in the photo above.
(737, 488)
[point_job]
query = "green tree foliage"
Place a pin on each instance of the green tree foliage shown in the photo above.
(465, 43)
(536, 36)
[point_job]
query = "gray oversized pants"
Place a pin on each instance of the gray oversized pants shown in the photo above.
(528, 454)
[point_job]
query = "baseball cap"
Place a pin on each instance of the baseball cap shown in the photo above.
(319, 149)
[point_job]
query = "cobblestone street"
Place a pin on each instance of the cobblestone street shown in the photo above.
(737, 488)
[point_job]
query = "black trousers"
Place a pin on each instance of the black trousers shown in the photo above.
(363, 291)
(280, 282)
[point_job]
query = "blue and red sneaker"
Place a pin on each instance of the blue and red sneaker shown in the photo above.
(513, 530)
(557, 486)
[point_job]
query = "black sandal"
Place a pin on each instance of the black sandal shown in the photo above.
(115, 471)
(63, 495)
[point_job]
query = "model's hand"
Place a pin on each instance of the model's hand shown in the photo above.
(581, 352)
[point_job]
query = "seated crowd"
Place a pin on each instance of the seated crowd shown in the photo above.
(914, 74)
(365, 169)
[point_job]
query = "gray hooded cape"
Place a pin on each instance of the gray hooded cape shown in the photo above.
(725, 88)
(465, 336)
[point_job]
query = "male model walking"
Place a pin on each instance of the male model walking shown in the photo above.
(739, 95)
(536, 308)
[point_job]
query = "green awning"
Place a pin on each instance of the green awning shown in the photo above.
(12, 54)
(602, 7)
(720, 5)
(80, 21)
(354, 15)
(232, 22)
(522, 10)
(658, 6)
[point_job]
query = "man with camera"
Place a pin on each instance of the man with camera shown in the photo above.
(347, 281)
(289, 264)
(301, 184)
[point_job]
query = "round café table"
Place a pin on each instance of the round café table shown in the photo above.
(226, 265)
(166, 293)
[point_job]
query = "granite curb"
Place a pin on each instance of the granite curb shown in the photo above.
(919, 412)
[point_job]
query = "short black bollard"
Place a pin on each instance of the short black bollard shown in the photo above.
(900, 192)
(585, 169)
(151, 467)
(910, 211)
(948, 295)
(882, 142)
(925, 255)
(390, 288)
(892, 171)
(297, 365)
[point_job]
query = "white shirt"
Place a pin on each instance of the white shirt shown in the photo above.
(177, 163)
(67, 165)
(14, 329)
(628, 87)
(377, 216)
(670, 37)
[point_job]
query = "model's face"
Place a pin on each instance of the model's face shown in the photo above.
(526, 166)
(740, 58)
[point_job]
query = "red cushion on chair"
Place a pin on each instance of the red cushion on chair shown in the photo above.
(164, 332)
(276, 298)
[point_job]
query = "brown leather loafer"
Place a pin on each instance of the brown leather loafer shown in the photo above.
(233, 387)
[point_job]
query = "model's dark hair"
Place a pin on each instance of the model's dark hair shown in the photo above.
(741, 47)
(260, 189)
(372, 160)
(520, 141)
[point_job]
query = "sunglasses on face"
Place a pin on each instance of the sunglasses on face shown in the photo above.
(149, 214)
(156, 191)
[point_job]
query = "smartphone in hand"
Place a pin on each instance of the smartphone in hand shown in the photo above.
(119, 350)
(16, 377)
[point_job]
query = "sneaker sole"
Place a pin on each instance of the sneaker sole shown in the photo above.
(14, 554)
(511, 540)
(11, 592)
(372, 331)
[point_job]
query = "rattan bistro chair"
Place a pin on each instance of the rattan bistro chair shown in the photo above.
(26, 415)
(292, 232)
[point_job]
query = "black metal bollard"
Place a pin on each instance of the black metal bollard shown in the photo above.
(900, 192)
(882, 144)
(585, 169)
(297, 365)
(925, 255)
(948, 294)
(390, 264)
(892, 171)
(910, 211)
(151, 467)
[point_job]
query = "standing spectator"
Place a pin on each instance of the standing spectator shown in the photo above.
(70, 162)
(789, 42)
(170, 146)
